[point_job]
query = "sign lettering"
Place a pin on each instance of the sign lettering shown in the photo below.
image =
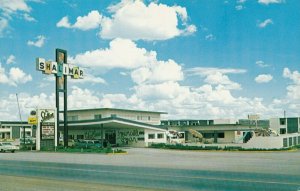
(59, 69)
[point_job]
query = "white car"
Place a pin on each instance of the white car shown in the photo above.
(5, 146)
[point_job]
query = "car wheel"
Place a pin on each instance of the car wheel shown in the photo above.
(12, 151)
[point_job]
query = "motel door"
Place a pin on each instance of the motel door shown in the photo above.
(111, 137)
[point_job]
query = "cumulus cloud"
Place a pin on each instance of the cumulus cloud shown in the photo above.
(88, 78)
(293, 90)
(239, 7)
(265, 23)
(29, 18)
(88, 22)
(210, 37)
(179, 101)
(78, 99)
(124, 53)
(11, 59)
(267, 2)
(8, 105)
(40, 41)
(261, 64)
(14, 77)
(158, 72)
(217, 76)
(133, 19)
(3, 25)
(165, 90)
(263, 78)
(11, 6)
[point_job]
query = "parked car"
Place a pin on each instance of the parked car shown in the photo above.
(6, 146)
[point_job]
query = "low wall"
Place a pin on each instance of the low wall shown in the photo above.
(276, 142)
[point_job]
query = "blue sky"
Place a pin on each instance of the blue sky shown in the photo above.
(192, 59)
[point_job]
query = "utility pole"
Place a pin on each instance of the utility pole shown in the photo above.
(21, 118)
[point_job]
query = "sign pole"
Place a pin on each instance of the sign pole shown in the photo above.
(66, 130)
(61, 86)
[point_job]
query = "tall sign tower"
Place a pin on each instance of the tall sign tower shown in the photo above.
(61, 69)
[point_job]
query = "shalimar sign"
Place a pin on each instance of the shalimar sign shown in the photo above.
(59, 69)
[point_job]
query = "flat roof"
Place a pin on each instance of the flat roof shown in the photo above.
(116, 120)
(14, 122)
(116, 109)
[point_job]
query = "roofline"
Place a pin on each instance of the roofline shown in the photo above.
(15, 122)
(114, 119)
(106, 108)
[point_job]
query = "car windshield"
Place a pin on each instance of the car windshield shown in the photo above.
(6, 143)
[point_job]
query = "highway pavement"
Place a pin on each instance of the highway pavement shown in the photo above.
(156, 175)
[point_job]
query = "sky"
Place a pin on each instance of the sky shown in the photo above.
(195, 59)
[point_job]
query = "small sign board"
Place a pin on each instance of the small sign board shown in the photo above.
(32, 120)
(47, 131)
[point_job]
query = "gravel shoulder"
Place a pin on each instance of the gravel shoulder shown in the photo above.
(15, 183)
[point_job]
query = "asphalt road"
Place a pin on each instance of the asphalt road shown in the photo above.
(94, 169)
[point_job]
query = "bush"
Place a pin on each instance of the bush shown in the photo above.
(182, 147)
(206, 147)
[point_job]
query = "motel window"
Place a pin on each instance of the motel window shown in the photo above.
(151, 136)
(285, 143)
(282, 121)
(73, 118)
(98, 116)
(141, 139)
(160, 135)
(282, 131)
(80, 137)
(70, 136)
(221, 135)
(208, 135)
(149, 118)
(181, 135)
(141, 132)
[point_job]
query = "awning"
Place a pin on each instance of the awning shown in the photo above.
(109, 123)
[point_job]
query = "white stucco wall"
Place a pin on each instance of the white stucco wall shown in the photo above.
(141, 116)
(229, 137)
(275, 142)
(155, 140)
(225, 121)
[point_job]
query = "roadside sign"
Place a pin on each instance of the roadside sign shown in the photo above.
(32, 120)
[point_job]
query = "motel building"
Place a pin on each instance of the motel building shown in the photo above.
(10, 130)
(120, 127)
(136, 128)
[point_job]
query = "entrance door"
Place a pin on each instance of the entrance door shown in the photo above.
(111, 137)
